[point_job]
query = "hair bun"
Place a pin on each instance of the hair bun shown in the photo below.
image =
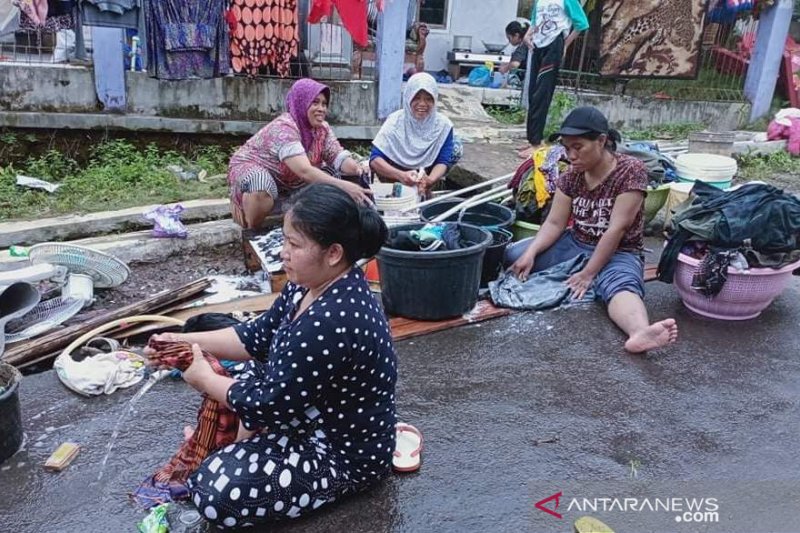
(372, 231)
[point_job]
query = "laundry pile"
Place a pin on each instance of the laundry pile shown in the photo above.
(534, 183)
(753, 226)
(431, 237)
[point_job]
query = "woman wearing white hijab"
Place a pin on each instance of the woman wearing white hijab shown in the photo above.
(415, 146)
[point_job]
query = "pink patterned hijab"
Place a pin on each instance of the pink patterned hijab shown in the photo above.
(299, 100)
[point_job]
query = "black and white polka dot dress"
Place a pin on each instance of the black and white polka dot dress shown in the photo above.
(322, 389)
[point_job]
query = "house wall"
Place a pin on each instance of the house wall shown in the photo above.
(60, 89)
(482, 19)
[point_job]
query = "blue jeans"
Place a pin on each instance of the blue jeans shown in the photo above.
(623, 272)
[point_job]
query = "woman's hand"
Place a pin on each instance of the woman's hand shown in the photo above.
(199, 371)
(580, 283)
(162, 337)
(169, 337)
(361, 195)
(409, 178)
(426, 183)
(522, 267)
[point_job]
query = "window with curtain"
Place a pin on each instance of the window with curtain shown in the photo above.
(433, 12)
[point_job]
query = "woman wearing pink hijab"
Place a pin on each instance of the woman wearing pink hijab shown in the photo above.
(287, 154)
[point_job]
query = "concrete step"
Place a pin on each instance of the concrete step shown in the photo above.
(142, 246)
(26, 232)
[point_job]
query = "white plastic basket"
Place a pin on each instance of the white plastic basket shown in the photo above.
(386, 203)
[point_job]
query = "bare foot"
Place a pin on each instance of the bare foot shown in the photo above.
(654, 336)
(188, 433)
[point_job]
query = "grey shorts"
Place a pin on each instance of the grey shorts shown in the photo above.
(624, 271)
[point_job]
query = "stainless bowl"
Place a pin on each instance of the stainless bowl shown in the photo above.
(494, 48)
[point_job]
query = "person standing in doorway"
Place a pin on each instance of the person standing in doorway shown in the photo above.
(554, 26)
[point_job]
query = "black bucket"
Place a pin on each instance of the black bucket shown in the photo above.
(493, 260)
(432, 285)
(488, 216)
(11, 425)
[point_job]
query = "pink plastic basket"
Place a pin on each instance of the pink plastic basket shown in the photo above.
(745, 294)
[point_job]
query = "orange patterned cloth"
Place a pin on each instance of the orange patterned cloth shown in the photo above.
(217, 427)
(264, 33)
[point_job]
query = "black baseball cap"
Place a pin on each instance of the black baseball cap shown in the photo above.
(580, 121)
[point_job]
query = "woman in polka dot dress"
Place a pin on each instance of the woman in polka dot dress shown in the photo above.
(315, 388)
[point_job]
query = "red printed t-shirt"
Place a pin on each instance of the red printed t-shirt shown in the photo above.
(591, 209)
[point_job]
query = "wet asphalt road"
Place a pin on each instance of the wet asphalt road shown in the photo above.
(720, 409)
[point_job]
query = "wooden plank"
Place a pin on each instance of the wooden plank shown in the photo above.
(404, 328)
(44, 347)
(650, 273)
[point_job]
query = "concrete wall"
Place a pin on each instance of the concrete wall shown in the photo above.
(481, 19)
(641, 113)
(71, 90)
(623, 111)
(63, 97)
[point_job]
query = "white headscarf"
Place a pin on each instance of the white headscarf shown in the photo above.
(409, 142)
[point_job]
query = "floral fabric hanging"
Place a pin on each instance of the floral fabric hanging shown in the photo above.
(264, 33)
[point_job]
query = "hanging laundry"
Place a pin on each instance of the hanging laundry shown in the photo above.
(186, 39)
(352, 12)
(34, 10)
(61, 7)
(651, 38)
(264, 33)
(47, 15)
(109, 67)
(111, 13)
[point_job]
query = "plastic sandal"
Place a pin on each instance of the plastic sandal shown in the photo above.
(408, 449)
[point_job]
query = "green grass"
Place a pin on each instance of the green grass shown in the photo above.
(767, 168)
(664, 131)
(561, 105)
(115, 176)
(709, 85)
(507, 114)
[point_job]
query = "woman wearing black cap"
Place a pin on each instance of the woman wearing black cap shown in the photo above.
(603, 192)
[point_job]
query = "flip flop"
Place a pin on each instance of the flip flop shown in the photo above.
(588, 524)
(407, 449)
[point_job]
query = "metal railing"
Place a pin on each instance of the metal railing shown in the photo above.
(41, 46)
(331, 54)
(723, 62)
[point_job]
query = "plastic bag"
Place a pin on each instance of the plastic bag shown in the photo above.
(167, 221)
(156, 521)
(498, 80)
(480, 77)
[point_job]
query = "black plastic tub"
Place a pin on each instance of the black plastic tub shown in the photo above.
(488, 216)
(10, 416)
(493, 259)
(432, 285)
